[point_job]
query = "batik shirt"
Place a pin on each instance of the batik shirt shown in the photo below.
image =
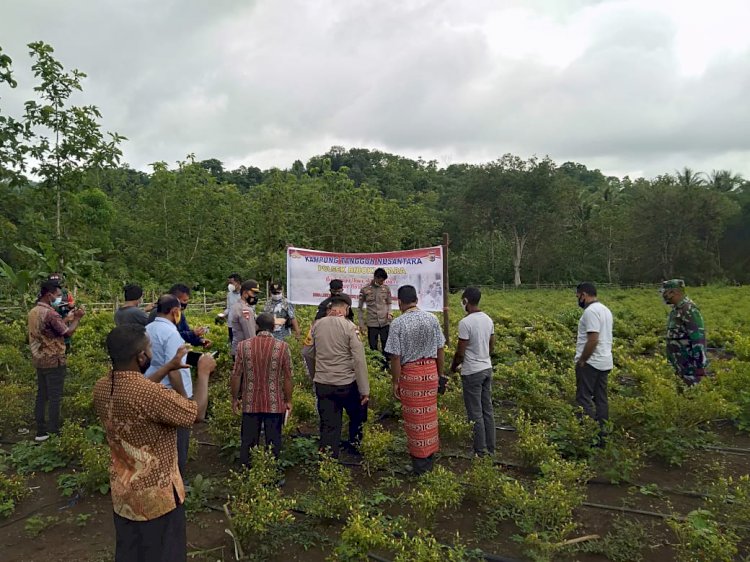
(414, 335)
(686, 341)
(141, 419)
(263, 363)
(46, 337)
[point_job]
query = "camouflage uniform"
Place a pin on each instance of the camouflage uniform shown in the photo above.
(686, 338)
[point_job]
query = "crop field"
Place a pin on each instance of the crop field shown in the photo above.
(671, 483)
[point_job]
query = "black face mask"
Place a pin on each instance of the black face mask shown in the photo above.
(582, 303)
(183, 305)
(251, 299)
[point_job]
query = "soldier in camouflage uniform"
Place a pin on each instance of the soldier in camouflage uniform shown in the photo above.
(686, 334)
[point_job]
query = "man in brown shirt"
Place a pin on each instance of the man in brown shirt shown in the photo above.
(340, 376)
(377, 297)
(47, 333)
(141, 417)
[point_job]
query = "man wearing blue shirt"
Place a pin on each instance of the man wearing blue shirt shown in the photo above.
(165, 343)
(193, 337)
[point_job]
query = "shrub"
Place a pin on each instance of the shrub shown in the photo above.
(333, 495)
(701, 539)
(362, 534)
(377, 447)
(12, 490)
(439, 488)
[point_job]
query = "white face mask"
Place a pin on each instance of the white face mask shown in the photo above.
(57, 301)
(465, 306)
(231, 288)
(277, 297)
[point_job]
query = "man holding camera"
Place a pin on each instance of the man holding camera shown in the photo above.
(47, 334)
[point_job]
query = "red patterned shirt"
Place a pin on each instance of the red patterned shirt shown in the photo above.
(141, 419)
(46, 337)
(263, 364)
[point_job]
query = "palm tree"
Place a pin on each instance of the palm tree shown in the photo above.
(688, 178)
(724, 180)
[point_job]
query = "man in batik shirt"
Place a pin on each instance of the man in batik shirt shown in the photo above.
(686, 334)
(415, 347)
(141, 418)
(261, 386)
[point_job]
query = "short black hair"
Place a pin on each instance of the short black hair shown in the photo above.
(49, 286)
(472, 295)
(336, 285)
(339, 300)
(179, 289)
(586, 287)
(166, 303)
(265, 322)
(132, 292)
(236, 277)
(380, 273)
(124, 342)
(407, 294)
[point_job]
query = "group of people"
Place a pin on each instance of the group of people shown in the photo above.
(148, 425)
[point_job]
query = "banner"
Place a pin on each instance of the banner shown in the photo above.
(308, 273)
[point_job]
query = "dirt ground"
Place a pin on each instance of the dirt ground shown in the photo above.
(70, 539)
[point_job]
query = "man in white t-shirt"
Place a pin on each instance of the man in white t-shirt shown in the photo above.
(593, 355)
(476, 340)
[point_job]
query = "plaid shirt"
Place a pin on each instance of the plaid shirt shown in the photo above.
(141, 420)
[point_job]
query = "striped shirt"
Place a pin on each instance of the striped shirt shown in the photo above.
(263, 364)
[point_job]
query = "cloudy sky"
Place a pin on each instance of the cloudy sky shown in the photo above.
(636, 87)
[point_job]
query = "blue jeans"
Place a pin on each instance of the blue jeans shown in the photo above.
(478, 400)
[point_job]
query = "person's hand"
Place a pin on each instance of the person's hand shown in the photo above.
(237, 406)
(200, 331)
(177, 363)
(389, 316)
(288, 407)
(149, 307)
(207, 344)
(206, 365)
(79, 312)
(580, 364)
(364, 399)
(396, 391)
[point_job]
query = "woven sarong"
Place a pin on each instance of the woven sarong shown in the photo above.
(418, 391)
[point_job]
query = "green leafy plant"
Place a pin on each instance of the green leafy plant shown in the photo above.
(364, 533)
(28, 456)
(377, 447)
(437, 489)
(37, 524)
(333, 494)
(700, 538)
(12, 490)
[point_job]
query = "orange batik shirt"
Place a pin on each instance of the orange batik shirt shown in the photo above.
(141, 419)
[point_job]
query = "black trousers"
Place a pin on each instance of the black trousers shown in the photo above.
(332, 401)
(160, 540)
(591, 392)
(251, 425)
(375, 333)
(230, 337)
(421, 466)
(183, 444)
(49, 391)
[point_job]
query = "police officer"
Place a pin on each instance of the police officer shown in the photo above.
(377, 297)
(686, 334)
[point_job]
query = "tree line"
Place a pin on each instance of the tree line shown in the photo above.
(71, 204)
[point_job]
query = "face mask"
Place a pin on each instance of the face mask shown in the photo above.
(183, 305)
(251, 299)
(465, 306)
(178, 318)
(582, 303)
(231, 288)
(276, 297)
(143, 367)
(57, 301)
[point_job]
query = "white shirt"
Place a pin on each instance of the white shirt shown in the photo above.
(165, 341)
(476, 328)
(596, 318)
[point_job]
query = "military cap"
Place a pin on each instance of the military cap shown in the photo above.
(673, 284)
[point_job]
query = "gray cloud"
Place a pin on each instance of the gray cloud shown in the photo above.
(264, 83)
